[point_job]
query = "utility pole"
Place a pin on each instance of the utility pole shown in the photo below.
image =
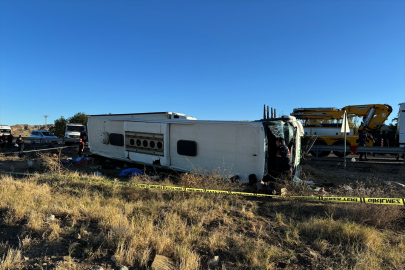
(46, 116)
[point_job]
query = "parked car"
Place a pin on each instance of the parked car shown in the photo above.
(43, 136)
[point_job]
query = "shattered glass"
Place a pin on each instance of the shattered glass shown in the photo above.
(280, 129)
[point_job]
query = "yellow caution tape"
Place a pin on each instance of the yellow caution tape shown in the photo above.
(386, 201)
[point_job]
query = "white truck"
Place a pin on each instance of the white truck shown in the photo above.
(5, 130)
(245, 149)
(72, 131)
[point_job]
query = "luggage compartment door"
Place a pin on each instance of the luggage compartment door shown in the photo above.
(147, 143)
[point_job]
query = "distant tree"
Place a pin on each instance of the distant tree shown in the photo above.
(393, 125)
(79, 118)
(59, 127)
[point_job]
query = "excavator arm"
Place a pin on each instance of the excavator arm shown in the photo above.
(374, 115)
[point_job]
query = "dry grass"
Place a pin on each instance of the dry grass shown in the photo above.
(51, 163)
(190, 228)
(11, 259)
(3, 157)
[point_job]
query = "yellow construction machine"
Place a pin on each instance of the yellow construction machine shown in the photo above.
(330, 133)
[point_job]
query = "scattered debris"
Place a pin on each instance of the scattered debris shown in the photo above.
(297, 181)
(122, 267)
(78, 236)
(113, 259)
(78, 159)
(353, 159)
(98, 268)
(394, 183)
(97, 173)
(50, 218)
(65, 161)
(280, 190)
(29, 163)
(131, 172)
(214, 261)
(348, 188)
(162, 263)
(82, 162)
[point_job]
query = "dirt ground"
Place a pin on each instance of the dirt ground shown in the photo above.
(366, 177)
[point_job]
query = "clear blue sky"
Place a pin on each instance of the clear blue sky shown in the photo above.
(219, 60)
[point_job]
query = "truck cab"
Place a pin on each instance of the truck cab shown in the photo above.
(73, 130)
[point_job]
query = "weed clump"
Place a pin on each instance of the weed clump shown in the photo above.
(51, 163)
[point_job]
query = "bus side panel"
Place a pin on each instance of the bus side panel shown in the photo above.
(227, 149)
(152, 128)
(96, 127)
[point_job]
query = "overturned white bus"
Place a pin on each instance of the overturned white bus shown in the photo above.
(245, 149)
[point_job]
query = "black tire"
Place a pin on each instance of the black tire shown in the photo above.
(323, 153)
(341, 153)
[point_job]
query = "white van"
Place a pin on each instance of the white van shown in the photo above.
(5, 130)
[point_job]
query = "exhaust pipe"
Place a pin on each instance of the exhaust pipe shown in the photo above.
(264, 111)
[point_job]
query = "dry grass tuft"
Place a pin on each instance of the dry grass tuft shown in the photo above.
(189, 260)
(380, 216)
(35, 221)
(12, 260)
(340, 232)
(3, 157)
(25, 243)
(212, 180)
(51, 163)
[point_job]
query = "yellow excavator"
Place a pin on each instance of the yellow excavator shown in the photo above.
(373, 115)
